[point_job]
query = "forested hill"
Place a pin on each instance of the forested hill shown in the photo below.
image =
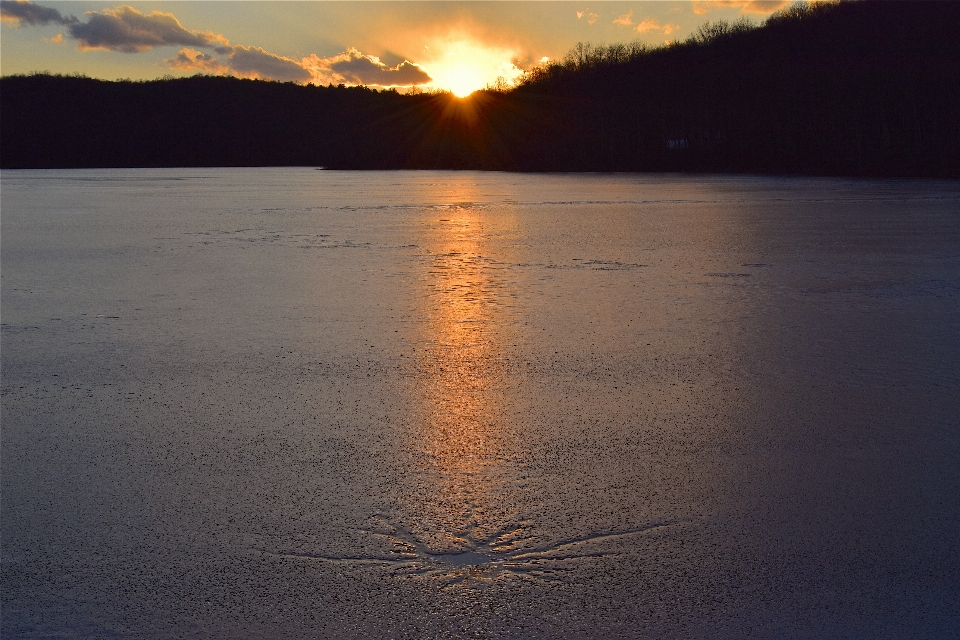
(858, 88)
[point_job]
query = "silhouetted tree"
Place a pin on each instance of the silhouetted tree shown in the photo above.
(855, 88)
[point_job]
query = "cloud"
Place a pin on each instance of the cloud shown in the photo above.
(127, 30)
(591, 16)
(650, 24)
(193, 60)
(353, 67)
(625, 19)
(255, 62)
(121, 29)
(763, 7)
(365, 71)
(23, 12)
(57, 39)
(349, 67)
(646, 25)
(243, 62)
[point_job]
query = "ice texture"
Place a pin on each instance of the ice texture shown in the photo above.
(290, 403)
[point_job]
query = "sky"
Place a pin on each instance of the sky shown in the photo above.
(456, 46)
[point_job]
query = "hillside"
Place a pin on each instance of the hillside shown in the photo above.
(861, 88)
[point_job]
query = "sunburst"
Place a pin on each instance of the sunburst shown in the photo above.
(463, 66)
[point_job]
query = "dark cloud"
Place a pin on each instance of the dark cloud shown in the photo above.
(23, 12)
(245, 62)
(127, 30)
(193, 60)
(254, 61)
(121, 29)
(357, 68)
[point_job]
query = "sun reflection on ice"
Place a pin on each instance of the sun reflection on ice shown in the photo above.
(463, 521)
(469, 510)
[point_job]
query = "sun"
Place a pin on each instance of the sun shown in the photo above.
(462, 80)
(464, 66)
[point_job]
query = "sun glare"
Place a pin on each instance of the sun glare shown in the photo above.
(463, 66)
(462, 80)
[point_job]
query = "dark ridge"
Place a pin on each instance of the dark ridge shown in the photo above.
(858, 88)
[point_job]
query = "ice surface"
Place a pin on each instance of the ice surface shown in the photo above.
(244, 403)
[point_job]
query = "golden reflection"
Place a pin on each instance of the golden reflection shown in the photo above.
(460, 360)
(462, 309)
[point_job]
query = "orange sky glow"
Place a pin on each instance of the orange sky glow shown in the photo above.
(458, 47)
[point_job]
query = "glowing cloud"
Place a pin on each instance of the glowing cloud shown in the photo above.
(763, 7)
(257, 63)
(590, 16)
(649, 24)
(626, 19)
(244, 62)
(350, 67)
(357, 68)
(460, 61)
(123, 29)
(353, 67)
(127, 30)
(193, 60)
(22, 12)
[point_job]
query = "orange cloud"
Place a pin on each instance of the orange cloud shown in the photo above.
(57, 39)
(122, 29)
(646, 25)
(590, 16)
(353, 67)
(650, 24)
(17, 12)
(193, 60)
(243, 62)
(762, 7)
(127, 30)
(254, 62)
(625, 19)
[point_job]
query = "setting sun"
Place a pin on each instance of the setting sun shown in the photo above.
(464, 66)
(461, 80)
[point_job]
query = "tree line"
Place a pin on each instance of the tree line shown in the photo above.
(854, 88)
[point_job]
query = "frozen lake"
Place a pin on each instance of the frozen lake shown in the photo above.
(289, 403)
